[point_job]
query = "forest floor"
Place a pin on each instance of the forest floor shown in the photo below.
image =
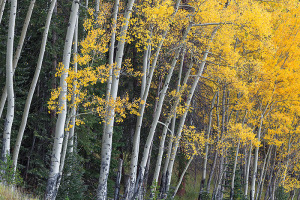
(7, 193)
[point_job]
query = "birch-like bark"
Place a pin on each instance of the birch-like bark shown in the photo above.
(216, 153)
(69, 134)
(269, 190)
(146, 83)
(234, 169)
(252, 191)
(263, 173)
(62, 158)
(248, 171)
(111, 53)
(181, 177)
(236, 158)
(2, 11)
(107, 135)
(160, 103)
(35, 77)
(73, 109)
(59, 129)
(9, 82)
(118, 180)
(182, 119)
(18, 51)
(202, 183)
(167, 123)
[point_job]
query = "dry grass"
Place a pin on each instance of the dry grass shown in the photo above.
(7, 193)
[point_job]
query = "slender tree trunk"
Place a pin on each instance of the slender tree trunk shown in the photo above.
(35, 77)
(160, 103)
(111, 53)
(182, 120)
(107, 135)
(252, 192)
(9, 82)
(234, 170)
(165, 175)
(269, 189)
(248, 171)
(202, 184)
(118, 180)
(18, 51)
(146, 83)
(166, 125)
(62, 158)
(218, 187)
(181, 177)
(263, 174)
(216, 153)
(59, 130)
(212, 172)
(2, 11)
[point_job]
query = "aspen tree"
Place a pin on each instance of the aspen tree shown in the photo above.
(111, 54)
(18, 51)
(182, 175)
(188, 101)
(2, 7)
(202, 184)
(35, 77)
(9, 82)
(146, 83)
(171, 116)
(70, 123)
(107, 135)
(252, 191)
(160, 104)
(59, 130)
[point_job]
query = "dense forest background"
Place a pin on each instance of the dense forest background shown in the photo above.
(154, 99)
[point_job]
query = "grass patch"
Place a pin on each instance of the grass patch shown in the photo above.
(7, 193)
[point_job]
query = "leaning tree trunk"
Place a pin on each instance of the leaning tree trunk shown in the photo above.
(216, 152)
(146, 83)
(248, 171)
(9, 82)
(166, 125)
(263, 174)
(107, 135)
(234, 170)
(2, 7)
(252, 191)
(182, 175)
(59, 129)
(160, 104)
(182, 120)
(18, 51)
(35, 77)
(202, 183)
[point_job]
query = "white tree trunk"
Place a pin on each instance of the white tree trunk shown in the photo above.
(146, 83)
(182, 119)
(248, 170)
(111, 55)
(168, 121)
(9, 82)
(160, 104)
(107, 135)
(18, 51)
(59, 130)
(35, 77)
(2, 7)
(234, 169)
(182, 175)
(202, 184)
(252, 191)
